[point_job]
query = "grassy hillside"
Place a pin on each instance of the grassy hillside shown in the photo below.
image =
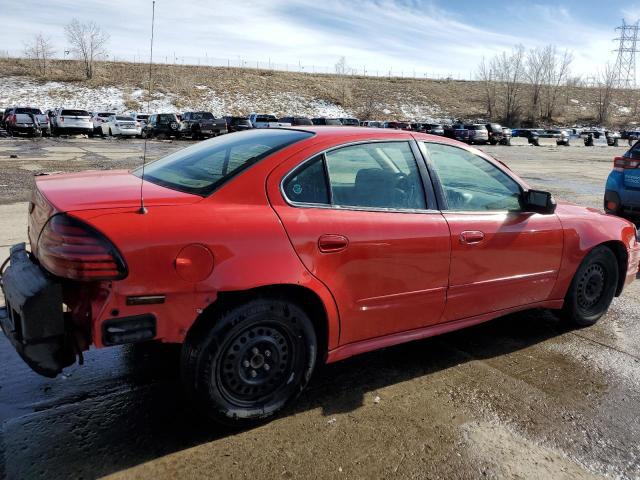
(240, 91)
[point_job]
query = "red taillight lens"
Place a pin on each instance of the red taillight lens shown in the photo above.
(72, 249)
(62, 119)
(624, 163)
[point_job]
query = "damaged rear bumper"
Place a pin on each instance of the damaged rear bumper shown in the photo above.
(33, 319)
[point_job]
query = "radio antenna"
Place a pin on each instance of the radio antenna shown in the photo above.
(142, 210)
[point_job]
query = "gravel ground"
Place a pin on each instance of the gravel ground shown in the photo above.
(518, 397)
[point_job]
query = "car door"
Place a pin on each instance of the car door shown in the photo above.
(359, 220)
(501, 256)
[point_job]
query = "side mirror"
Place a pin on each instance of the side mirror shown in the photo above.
(538, 201)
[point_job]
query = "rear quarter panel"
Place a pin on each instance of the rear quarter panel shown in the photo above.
(247, 240)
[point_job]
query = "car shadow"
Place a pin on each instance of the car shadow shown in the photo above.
(147, 416)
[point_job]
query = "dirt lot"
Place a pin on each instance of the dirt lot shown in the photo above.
(519, 397)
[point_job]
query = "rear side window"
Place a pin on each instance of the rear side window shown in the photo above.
(308, 184)
(203, 167)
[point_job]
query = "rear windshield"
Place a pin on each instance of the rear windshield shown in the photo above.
(105, 114)
(142, 117)
(266, 118)
(75, 113)
(35, 111)
(302, 121)
(166, 118)
(23, 118)
(475, 127)
(202, 116)
(130, 119)
(203, 167)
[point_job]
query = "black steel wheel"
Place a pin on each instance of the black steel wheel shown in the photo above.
(246, 364)
(592, 288)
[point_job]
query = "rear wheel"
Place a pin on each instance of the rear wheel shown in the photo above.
(592, 288)
(249, 362)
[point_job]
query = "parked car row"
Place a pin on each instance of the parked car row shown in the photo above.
(201, 124)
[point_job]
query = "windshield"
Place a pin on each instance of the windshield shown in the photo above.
(203, 167)
(104, 114)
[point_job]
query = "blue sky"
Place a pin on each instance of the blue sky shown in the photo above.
(436, 36)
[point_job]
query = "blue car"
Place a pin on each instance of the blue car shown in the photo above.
(622, 193)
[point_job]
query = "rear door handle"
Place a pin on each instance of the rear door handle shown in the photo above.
(471, 237)
(332, 243)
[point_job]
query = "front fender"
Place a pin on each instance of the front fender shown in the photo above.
(584, 229)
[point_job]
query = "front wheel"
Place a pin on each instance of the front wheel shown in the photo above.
(592, 288)
(248, 363)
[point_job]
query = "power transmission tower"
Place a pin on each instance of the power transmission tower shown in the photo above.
(625, 67)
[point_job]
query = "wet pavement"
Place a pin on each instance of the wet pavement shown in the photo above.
(519, 397)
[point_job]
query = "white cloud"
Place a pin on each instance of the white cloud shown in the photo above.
(374, 34)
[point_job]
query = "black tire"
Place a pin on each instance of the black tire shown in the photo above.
(110, 132)
(195, 135)
(250, 361)
(592, 288)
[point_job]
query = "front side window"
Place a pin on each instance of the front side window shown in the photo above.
(203, 167)
(471, 183)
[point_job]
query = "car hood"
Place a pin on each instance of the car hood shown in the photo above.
(105, 189)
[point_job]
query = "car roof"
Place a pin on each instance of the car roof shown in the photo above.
(350, 134)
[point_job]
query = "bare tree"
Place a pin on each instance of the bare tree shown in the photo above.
(40, 50)
(343, 71)
(534, 73)
(88, 41)
(604, 92)
(487, 77)
(509, 72)
(556, 72)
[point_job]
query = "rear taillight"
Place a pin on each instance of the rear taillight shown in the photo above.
(624, 163)
(72, 249)
(62, 119)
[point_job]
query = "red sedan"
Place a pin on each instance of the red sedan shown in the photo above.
(267, 252)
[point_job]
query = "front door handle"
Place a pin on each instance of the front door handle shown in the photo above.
(471, 237)
(332, 243)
